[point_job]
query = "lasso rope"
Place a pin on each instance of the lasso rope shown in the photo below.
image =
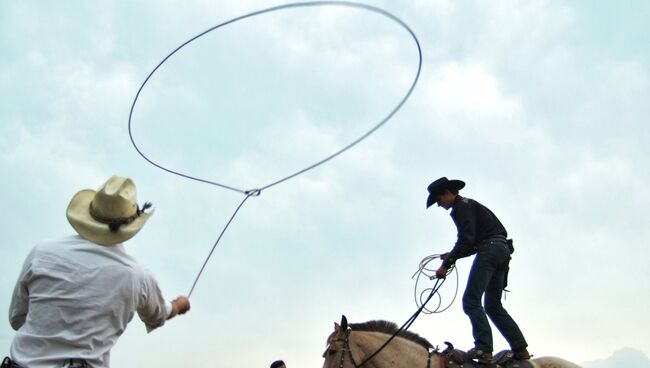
(407, 324)
(421, 298)
(257, 191)
(421, 302)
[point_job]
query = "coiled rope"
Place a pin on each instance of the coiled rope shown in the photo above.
(257, 191)
(422, 297)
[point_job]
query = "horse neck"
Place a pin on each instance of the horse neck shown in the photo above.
(399, 353)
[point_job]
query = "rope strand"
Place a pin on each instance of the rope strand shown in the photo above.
(406, 324)
(256, 192)
(217, 241)
(268, 10)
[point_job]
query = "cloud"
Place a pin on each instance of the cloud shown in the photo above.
(626, 357)
(551, 139)
(58, 142)
(462, 98)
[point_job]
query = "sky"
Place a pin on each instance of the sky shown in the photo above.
(541, 107)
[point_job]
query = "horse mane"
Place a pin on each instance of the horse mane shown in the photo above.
(390, 328)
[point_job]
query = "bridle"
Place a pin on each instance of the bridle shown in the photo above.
(405, 326)
(346, 349)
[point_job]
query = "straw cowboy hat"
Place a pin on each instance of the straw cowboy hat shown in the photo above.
(109, 215)
(439, 186)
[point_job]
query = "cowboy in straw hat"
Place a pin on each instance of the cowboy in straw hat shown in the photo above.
(479, 232)
(75, 295)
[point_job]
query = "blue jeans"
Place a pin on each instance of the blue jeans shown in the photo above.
(487, 276)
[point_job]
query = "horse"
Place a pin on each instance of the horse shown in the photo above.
(349, 346)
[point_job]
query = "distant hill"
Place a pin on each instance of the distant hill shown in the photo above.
(624, 358)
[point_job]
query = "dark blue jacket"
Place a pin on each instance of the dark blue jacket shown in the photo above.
(475, 224)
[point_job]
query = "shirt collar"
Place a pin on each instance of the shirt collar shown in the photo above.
(457, 199)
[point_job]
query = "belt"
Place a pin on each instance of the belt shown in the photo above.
(76, 363)
(494, 238)
(8, 363)
(70, 363)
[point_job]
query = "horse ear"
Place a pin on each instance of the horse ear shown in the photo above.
(344, 322)
(337, 328)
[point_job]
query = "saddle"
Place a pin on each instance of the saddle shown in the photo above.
(504, 359)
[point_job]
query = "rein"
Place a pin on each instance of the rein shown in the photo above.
(405, 326)
(346, 348)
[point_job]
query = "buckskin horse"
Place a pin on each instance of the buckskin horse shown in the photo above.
(349, 346)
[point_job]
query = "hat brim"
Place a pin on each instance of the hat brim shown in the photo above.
(433, 198)
(450, 184)
(78, 215)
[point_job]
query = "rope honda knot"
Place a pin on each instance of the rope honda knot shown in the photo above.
(253, 192)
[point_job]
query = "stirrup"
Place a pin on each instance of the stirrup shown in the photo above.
(483, 357)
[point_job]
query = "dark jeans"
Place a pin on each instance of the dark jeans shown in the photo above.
(487, 277)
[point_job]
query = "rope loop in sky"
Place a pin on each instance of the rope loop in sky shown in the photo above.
(383, 121)
(258, 190)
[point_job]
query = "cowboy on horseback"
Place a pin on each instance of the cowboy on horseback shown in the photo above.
(479, 232)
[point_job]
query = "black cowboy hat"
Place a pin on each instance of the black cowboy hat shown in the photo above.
(439, 186)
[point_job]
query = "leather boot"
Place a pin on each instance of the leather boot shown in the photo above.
(521, 354)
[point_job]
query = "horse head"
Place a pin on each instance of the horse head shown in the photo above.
(338, 354)
(354, 345)
(340, 331)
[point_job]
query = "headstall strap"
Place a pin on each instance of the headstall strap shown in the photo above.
(346, 347)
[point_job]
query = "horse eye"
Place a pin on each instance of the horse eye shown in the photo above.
(331, 352)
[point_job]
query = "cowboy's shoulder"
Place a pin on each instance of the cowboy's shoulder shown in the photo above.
(55, 243)
(463, 202)
(141, 273)
(49, 252)
(86, 253)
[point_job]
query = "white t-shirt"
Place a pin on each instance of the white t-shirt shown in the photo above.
(74, 298)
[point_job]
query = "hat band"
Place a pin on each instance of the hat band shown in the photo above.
(115, 223)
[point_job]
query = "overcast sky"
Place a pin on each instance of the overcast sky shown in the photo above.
(540, 106)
